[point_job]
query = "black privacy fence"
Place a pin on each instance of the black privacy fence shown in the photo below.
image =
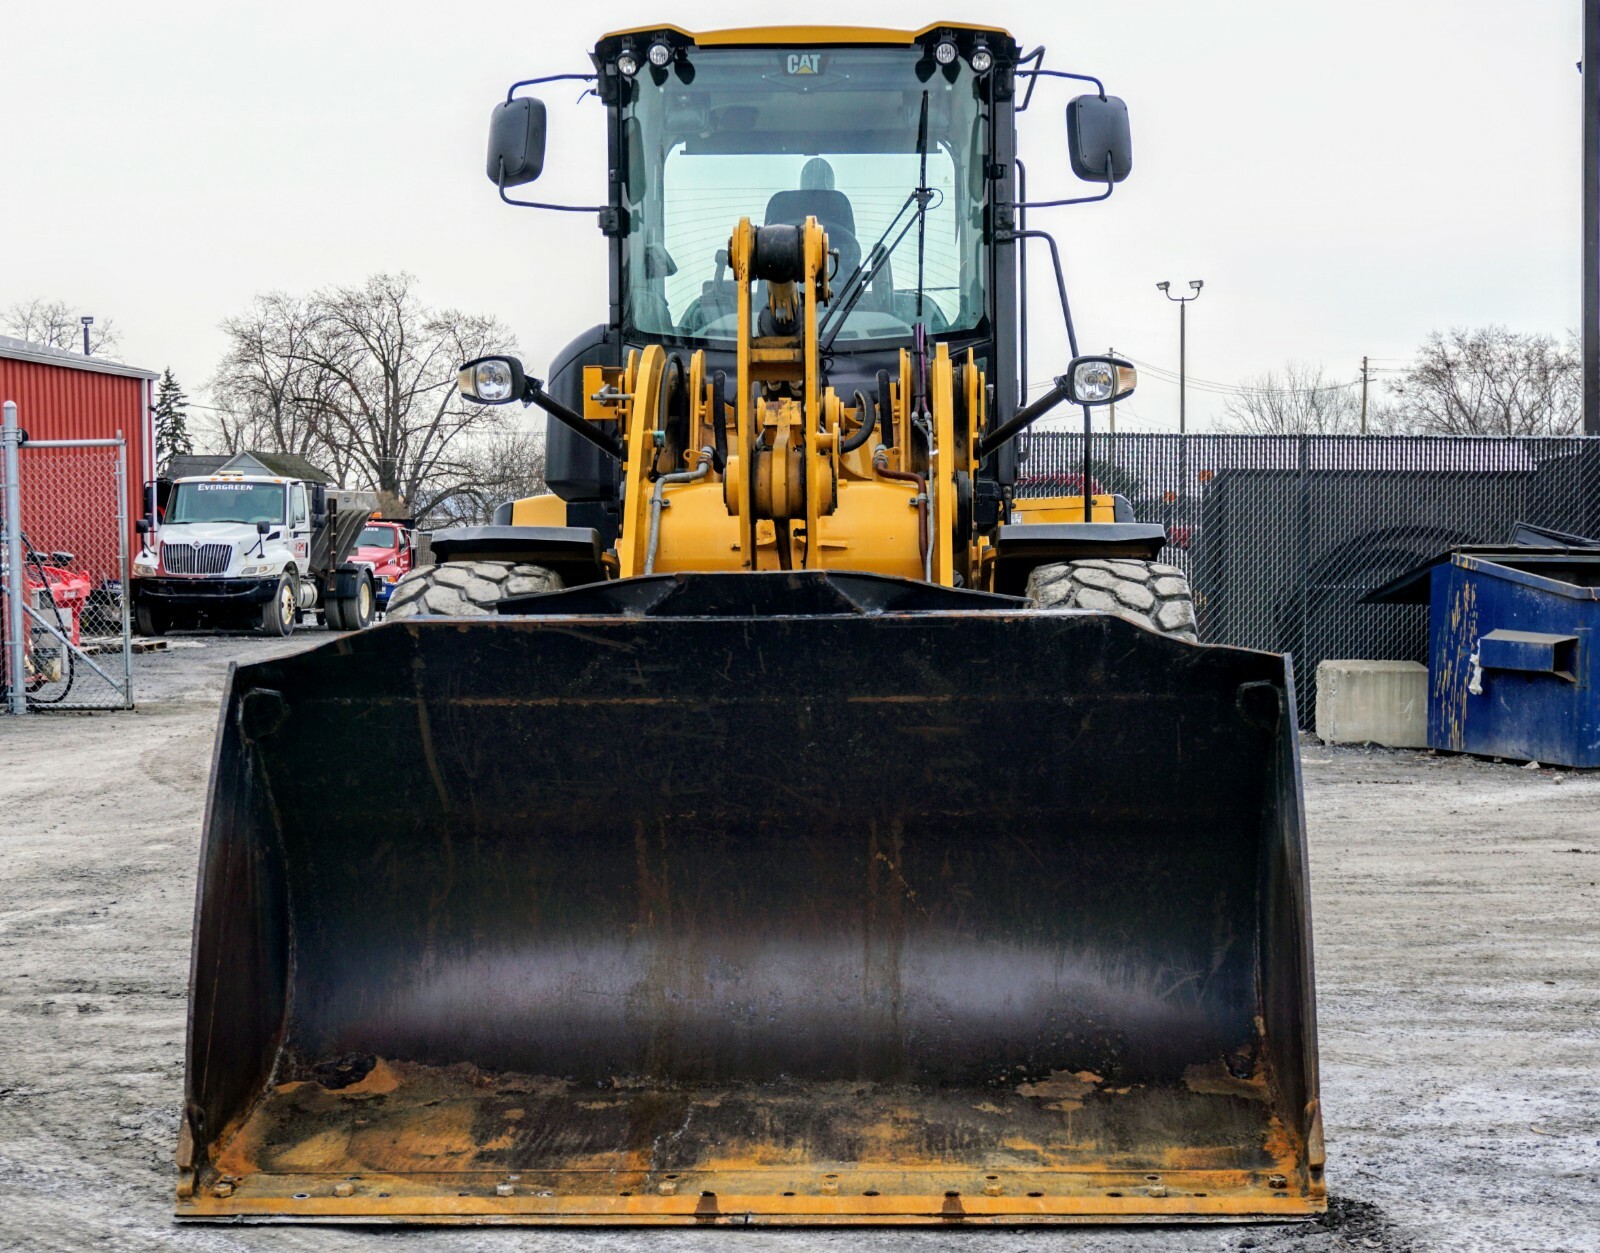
(1282, 535)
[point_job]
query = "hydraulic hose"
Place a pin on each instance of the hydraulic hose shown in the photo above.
(880, 463)
(658, 503)
(869, 423)
(719, 420)
(885, 410)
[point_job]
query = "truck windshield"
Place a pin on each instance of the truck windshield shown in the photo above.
(777, 135)
(223, 501)
(376, 537)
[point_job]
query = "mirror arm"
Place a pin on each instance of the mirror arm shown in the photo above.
(511, 91)
(1111, 185)
(535, 394)
(1038, 71)
(535, 204)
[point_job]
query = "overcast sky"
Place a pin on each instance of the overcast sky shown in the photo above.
(1346, 176)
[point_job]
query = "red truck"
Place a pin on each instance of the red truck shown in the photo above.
(388, 544)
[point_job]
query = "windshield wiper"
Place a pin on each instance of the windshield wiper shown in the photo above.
(855, 285)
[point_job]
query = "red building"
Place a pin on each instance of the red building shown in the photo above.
(62, 395)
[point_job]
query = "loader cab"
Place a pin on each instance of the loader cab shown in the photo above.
(779, 125)
(840, 125)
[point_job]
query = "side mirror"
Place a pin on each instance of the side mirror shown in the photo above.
(1099, 380)
(516, 142)
(142, 525)
(263, 527)
(493, 380)
(1098, 139)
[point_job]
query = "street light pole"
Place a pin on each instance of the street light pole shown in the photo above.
(87, 322)
(1183, 345)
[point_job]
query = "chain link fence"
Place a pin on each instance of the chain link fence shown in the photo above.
(1283, 535)
(71, 549)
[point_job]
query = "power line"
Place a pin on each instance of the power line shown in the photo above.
(1239, 389)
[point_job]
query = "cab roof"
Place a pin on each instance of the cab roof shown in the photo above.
(809, 36)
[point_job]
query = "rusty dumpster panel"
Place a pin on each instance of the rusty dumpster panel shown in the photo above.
(989, 916)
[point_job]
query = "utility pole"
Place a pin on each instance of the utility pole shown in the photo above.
(87, 322)
(1183, 343)
(1364, 375)
(1591, 218)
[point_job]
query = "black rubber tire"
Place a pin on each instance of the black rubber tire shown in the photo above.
(333, 613)
(148, 620)
(1151, 594)
(354, 613)
(278, 615)
(467, 589)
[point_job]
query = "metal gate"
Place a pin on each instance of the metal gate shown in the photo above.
(64, 544)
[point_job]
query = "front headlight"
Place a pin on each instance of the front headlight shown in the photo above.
(1098, 380)
(250, 570)
(144, 563)
(493, 380)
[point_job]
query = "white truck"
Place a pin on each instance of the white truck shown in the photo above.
(240, 549)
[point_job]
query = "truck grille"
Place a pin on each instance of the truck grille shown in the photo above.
(186, 559)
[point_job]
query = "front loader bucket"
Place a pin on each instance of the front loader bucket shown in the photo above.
(756, 898)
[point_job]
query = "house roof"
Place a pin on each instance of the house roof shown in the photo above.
(23, 350)
(286, 465)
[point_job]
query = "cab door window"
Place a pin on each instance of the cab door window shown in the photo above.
(298, 518)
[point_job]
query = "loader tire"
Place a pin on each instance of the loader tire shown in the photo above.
(467, 589)
(1153, 595)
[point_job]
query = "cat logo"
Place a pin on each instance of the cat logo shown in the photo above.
(805, 63)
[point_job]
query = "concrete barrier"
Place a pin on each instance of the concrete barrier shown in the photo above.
(1373, 702)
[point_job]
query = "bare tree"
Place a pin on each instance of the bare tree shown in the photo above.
(386, 366)
(363, 380)
(1491, 381)
(265, 394)
(497, 466)
(55, 323)
(1298, 400)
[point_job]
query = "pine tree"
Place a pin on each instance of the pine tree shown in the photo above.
(172, 421)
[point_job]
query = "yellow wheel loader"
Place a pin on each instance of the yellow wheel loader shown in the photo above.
(782, 821)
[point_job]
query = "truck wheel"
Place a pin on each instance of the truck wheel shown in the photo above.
(467, 589)
(278, 615)
(149, 620)
(1149, 593)
(353, 613)
(333, 613)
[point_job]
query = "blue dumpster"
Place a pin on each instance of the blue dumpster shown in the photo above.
(1512, 655)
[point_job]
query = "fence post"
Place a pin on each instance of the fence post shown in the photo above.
(1303, 575)
(17, 683)
(123, 572)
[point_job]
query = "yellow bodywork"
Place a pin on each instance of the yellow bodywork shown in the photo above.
(783, 36)
(876, 508)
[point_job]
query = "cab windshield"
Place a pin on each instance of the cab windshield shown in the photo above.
(777, 135)
(377, 537)
(226, 502)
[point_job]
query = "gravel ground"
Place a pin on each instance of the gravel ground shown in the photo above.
(1458, 965)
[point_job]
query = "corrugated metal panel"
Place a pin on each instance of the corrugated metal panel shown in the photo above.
(62, 402)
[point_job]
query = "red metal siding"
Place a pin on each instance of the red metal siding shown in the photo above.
(60, 402)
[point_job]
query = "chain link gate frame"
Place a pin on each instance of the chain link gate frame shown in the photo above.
(1283, 535)
(64, 543)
